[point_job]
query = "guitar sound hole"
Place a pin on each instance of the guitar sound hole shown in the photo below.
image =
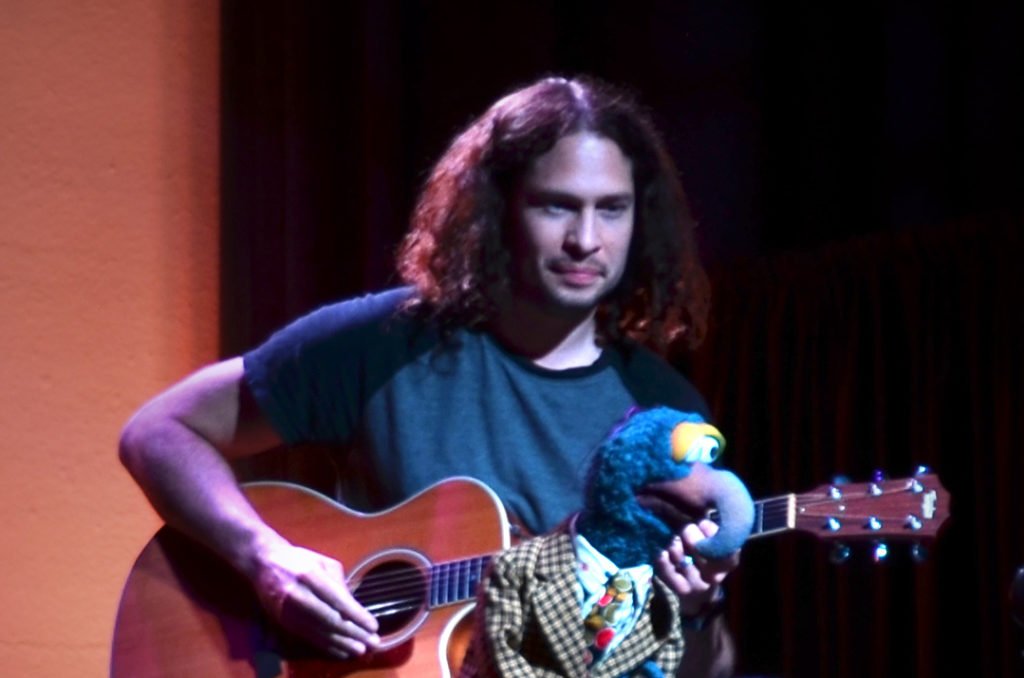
(395, 592)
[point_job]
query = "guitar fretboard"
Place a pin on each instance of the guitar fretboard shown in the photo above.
(777, 514)
(456, 581)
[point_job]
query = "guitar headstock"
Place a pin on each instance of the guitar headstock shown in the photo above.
(911, 509)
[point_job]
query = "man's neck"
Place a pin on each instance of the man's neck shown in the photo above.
(552, 341)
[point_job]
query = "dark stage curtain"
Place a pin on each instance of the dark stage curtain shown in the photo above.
(857, 174)
(884, 352)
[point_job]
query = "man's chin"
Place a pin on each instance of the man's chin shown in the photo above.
(574, 305)
(577, 298)
(566, 301)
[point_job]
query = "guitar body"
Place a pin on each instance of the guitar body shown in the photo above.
(184, 613)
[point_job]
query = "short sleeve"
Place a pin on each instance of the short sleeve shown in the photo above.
(309, 376)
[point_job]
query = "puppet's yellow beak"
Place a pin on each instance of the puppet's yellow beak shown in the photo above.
(696, 441)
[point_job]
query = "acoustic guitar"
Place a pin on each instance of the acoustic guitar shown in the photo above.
(416, 567)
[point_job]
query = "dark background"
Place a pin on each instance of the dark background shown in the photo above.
(856, 169)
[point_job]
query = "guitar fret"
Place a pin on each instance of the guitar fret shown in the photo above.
(454, 581)
(435, 575)
(476, 574)
(466, 590)
(439, 595)
(452, 592)
(445, 594)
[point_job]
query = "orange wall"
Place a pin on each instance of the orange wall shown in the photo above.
(108, 291)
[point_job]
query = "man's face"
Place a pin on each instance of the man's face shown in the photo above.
(573, 221)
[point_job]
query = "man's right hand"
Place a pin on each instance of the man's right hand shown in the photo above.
(305, 592)
(177, 447)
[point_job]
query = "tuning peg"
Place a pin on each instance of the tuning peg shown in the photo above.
(922, 470)
(918, 552)
(840, 479)
(881, 552)
(878, 476)
(840, 553)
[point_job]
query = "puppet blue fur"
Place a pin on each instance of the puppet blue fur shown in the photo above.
(639, 453)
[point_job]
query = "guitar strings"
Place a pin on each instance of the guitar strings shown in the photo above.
(417, 580)
(412, 573)
(448, 582)
(767, 511)
(453, 581)
(412, 581)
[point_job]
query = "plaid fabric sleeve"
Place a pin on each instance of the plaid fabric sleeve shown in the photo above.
(503, 642)
(498, 625)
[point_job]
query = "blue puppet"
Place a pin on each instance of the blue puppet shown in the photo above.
(582, 600)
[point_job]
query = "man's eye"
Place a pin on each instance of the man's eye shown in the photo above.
(615, 210)
(554, 208)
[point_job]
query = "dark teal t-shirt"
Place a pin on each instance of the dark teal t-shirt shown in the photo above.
(414, 411)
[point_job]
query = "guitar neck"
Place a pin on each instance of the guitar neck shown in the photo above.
(774, 515)
(771, 516)
(909, 508)
(456, 581)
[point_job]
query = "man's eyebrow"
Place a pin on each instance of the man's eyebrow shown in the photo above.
(625, 195)
(555, 194)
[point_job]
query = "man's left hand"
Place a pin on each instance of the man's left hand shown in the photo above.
(695, 579)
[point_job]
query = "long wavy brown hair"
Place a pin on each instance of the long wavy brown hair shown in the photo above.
(456, 252)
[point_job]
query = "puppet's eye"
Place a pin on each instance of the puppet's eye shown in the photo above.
(696, 441)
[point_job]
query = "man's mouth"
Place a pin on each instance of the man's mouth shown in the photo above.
(577, 275)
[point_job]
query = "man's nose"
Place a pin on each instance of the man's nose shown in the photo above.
(581, 238)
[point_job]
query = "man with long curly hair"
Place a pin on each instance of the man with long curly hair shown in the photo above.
(549, 261)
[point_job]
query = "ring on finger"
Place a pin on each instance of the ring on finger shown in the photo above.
(684, 562)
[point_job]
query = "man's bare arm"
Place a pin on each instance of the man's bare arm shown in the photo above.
(177, 447)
